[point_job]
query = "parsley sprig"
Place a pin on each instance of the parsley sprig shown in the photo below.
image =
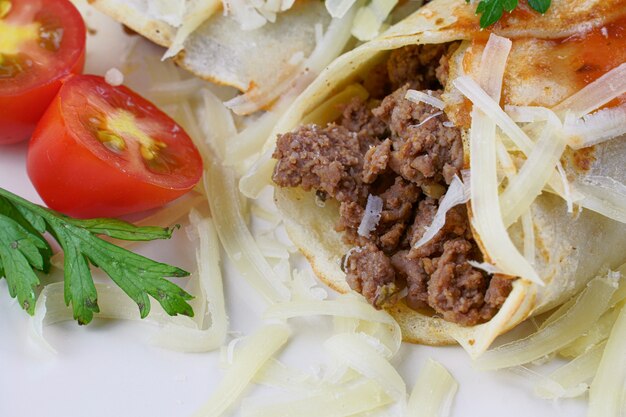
(24, 250)
(491, 10)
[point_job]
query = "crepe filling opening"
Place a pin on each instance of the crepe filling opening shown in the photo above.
(406, 153)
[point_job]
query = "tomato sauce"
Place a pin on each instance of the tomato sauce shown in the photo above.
(598, 51)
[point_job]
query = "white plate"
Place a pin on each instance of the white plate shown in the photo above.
(109, 368)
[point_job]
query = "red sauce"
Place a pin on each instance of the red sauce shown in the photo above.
(599, 51)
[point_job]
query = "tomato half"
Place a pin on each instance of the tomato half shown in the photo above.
(41, 43)
(101, 150)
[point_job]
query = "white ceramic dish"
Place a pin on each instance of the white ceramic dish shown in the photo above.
(109, 368)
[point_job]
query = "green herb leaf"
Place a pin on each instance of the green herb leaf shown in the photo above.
(492, 10)
(23, 250)
(509, 5)
(541, 6)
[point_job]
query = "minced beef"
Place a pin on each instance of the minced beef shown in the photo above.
(404, 153)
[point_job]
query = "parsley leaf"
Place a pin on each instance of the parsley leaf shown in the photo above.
(492, 10)
(540, 5)
(24, 250)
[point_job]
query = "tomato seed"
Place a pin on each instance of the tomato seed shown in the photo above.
(111, 141)
(5, 8)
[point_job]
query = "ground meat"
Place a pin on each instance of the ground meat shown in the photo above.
(369, 271)
(376, 161)
(415, 64)
(425, 151)
(358, 118)
(404, 153)
(416, 278)
(329, 159)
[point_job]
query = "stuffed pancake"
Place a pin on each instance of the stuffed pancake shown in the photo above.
(462, 179)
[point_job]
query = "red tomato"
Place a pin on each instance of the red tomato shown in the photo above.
(41, 43)
(101, 150)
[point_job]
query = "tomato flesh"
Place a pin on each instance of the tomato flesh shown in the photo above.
(101, 150)
(42, 42)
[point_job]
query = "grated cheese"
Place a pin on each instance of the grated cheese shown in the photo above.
(595, 128)
(433, 393)
(371, 216)
(487, 218)
(421, 97)
(458, 193)
(114, 77)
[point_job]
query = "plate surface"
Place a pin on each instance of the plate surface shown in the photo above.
(110, 368)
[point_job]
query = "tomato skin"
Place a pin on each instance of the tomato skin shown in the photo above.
(72, 179)
(22, 107)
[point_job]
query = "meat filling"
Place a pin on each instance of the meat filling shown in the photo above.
(406, 154)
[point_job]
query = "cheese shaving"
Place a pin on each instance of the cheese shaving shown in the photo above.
(371, 216)
(421, 97)
(489, 106)
(333, 43)
(369, 19)
(217, 123)
(338, 8)
(583, 314)
(607, 394)
(345, 306)
(235, 235)
(570, 380)
(595, 128)
(433, 393)
(256, 351)
(494, 57)
(458, 193)
(596, 94)
(114, 77)
(197, 13)
(203, 338)
(603, 195)
(528, 228)
(487, 218)
(485, 266)
(356, 353)
(342, 401)
(524, 187)
(593, 337)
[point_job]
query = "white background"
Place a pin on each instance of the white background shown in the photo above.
(110, 368)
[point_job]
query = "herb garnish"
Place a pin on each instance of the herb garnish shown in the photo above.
(491, 10)
(24, 250)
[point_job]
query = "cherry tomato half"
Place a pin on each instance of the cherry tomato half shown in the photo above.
(101, 150)
(41, 43)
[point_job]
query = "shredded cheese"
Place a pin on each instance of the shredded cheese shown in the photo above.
(251, 357)
(341, 401)
(235, 235)
(570, 380)
(487, 218)
(595, 128)
(203, 338)
(458, 193)
(582, 315)
(371, 216)
(607, 394)
(356, 353)
(421, 97)
(196, 14)
(114, 77)
(524, 187)
(433, 393)
(603, 195)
